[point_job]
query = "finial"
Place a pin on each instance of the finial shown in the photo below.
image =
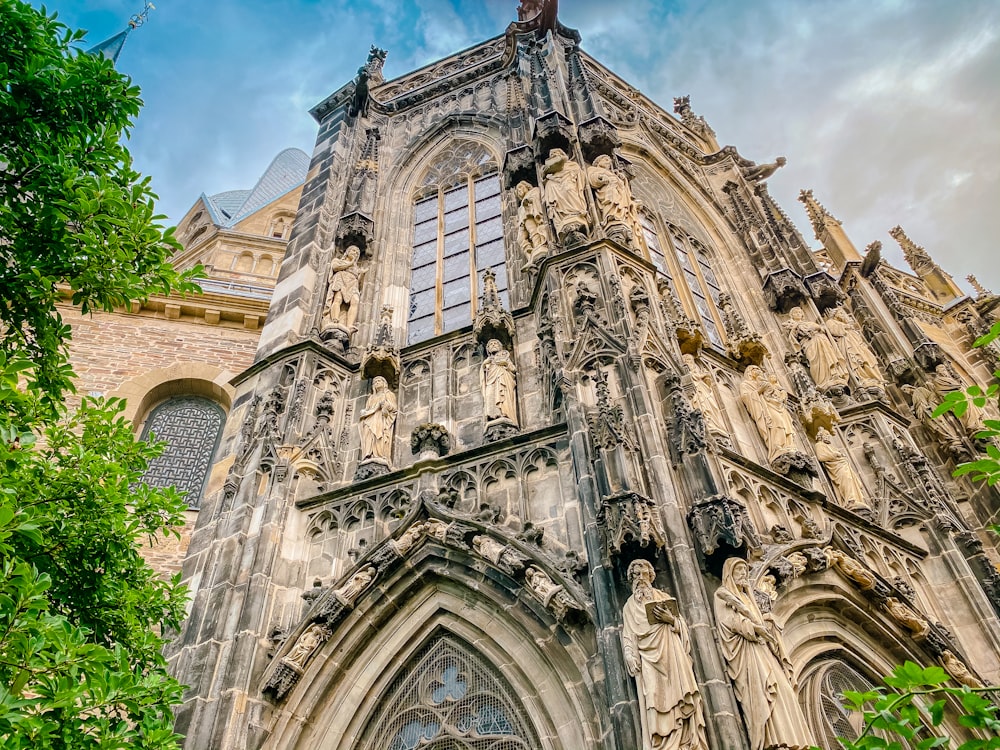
(915, 255)
(373, 66)
(979, 288)
(142, 16)
(682, 107)
(819, 217)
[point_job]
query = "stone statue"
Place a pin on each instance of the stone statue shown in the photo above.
(564, 194)
(612, 193)
(757, 665)
(344, 294)
(409, 538)
(531, 223)
(944, 383)
(838, 467)
(376, 422)
(850, 568)
(958, 671)
(704, 399)
(658, 654)
(765, 400)
(945, 428)
(498, 378)
(853, 348)
(358, 583)
(826, 366)
(304, 646)
(905, 616)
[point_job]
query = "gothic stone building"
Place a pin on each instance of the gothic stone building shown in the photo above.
(557, 433)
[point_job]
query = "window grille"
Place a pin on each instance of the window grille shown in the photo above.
(190, 426)
(449, 698)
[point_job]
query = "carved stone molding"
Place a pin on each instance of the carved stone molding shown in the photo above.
(629, 518)
(552, 131)
(783, 290)
(743, 345)
(722, 523)
(598, 136)
(382, 357)
(928, 355)
(796, 466)
(371, 467)
(356, 229)
(824, 290)
(518, 165)
(430, 440)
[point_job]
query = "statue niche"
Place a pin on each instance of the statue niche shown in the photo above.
(564, 196)
(844, 479)
(615, 205)
(854, 350)
(765, 401)
(658, 654)
(376, 424)
(826, 365)
(344, 295)
(498, 379)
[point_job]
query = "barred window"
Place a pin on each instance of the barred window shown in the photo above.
(449, 698)
(457, 234)
(191, 427)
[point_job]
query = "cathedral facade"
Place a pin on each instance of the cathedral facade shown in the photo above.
(557, 433)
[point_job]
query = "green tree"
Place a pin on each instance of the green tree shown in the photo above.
(81, 613)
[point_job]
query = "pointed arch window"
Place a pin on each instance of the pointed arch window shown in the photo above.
(449, 698)
(457, 234)
(191, 427)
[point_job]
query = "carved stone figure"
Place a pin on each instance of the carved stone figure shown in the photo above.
(531, 232)
(826, 366)
(944, 383)
(658, 654)
(905, 616)
(564, 194)
(838, 467)
(304, 646)
(358, 583)
(765, 400)
(344, 294)
(945, 428)
(851, 569)
(957, 669)
(704, 399)
(613, 195)
(551, 594)
(498, 378)
(409, 538)
(854, 349)
(756, 662)
(376, 422)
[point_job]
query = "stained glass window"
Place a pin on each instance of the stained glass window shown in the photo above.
(449, 698)
(190, 426)
(457, 234)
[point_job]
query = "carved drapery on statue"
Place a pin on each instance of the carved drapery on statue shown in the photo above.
(376, 424)
(945, 382)
(615, 205)
(564, 196)
(658, 655)
(532, 234)
(757, 665)
(703, 399)
(854, 349)
(344, 295)
(837, 465)
(498, 378)
(765, 401)
(826, 365)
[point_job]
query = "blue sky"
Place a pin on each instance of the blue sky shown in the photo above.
(888, 109)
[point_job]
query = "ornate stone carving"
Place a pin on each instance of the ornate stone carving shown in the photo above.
(826, 366)
(382, 357)
(518, 166)
(720, 520)
(615, 206)
(356, 229)
(905, 616)
(765, 401)
(958, 671)
(498, 379)
(551, 594)
(854, 350)
(304, 647)
(350, 591)
(344, 294)
(687, 427)
(762, 172)
(946, 381)
(824, 290)
(845, 481)
(696, 123)
(703, 399)
(946, 429)
(607, 423)
(743, 345)
(532, 232)
(757, 664)
(851, 569)
(658, 655)
(630, 518)
(505, 557)
(783, 290)
(564, 196)
(376, 424)
(598, 136)
(430, 441)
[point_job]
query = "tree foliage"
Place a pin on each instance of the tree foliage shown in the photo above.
(81, 612)
(74, 214)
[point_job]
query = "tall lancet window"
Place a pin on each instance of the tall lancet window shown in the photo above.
(457, 234)
(448, 698)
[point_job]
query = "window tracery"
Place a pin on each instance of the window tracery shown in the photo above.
(448, 698)
(191, 427)
(457, 234)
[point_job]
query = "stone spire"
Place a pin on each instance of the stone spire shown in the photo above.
(695, 123)
(829, 231)
(980, 290)
(940, 284)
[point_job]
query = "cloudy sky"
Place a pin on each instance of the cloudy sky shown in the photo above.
(888, 109)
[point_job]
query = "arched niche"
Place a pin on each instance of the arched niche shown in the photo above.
(344, 685)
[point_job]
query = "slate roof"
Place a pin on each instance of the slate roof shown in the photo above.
(286, 172)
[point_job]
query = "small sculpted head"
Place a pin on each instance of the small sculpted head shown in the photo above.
(522, 189)
(379, 384)
(796, 313)
(493, 346)
(640, 572)
(353, 253)
(603, 161)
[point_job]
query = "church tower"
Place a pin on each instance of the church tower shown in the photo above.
(559, 436)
